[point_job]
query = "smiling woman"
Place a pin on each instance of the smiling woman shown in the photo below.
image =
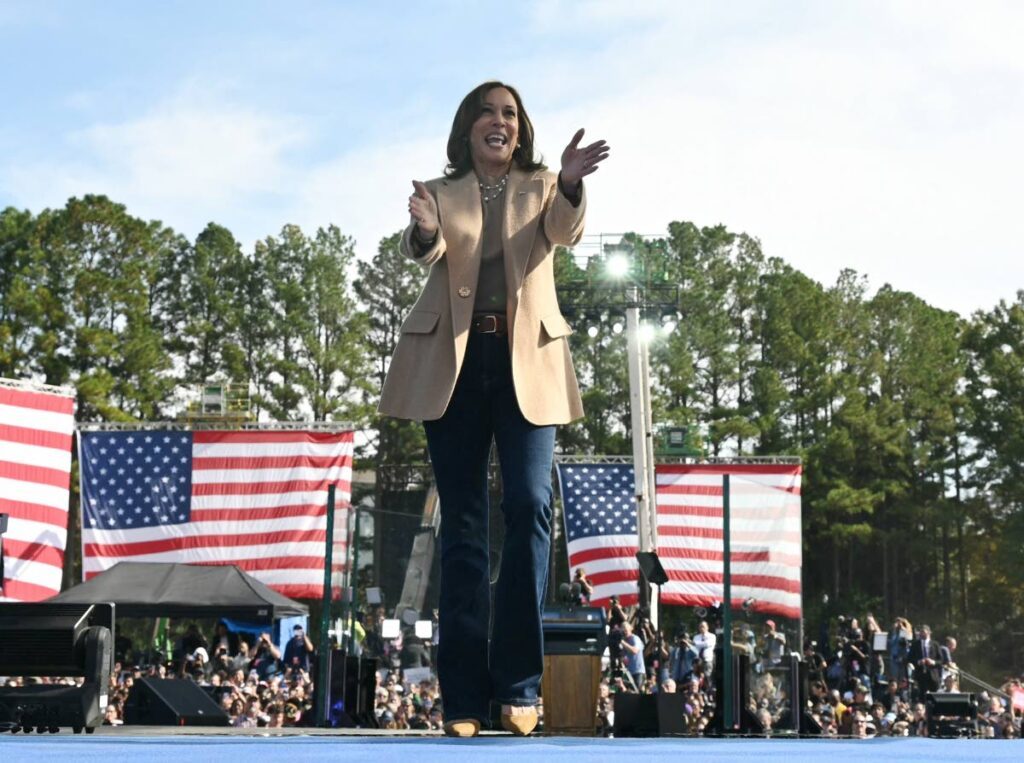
(470, 131)
(484, 357)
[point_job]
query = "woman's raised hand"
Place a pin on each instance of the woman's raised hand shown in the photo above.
(578, 162)
(423, 209)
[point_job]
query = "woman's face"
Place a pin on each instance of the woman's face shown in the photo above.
(494, 134)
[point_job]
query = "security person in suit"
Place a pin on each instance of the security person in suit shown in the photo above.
(483, 356)
(924, 656)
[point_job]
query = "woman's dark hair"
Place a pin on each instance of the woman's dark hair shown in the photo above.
(460, 160)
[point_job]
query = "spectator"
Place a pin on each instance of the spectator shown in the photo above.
(900, 638)
(892, 696)
(616, 614)
(682, 658)
(633, 656)
(815, 662)
(190, 641)
(705, 642)
(415, 653)
(224, 639)
(774, 645)
(586, 588)
(265, 658)
(298, 650)
(876, 664)
(924, 656)
(946, 657)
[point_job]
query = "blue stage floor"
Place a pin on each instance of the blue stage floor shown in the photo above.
(175, 748)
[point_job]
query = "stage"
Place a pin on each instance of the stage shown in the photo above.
(163, 745)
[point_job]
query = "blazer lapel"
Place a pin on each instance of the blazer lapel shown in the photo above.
(458, 203)
(523, 202)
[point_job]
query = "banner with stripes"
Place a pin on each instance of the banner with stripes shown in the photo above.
(253, 498)
(765, 532)
(36, 427)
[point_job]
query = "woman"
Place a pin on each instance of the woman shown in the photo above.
(900, 637)
(484, 356)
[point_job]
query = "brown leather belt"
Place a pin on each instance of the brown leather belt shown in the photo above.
(490, 323)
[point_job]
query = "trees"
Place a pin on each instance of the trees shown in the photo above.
(388, 286)
(910, 420)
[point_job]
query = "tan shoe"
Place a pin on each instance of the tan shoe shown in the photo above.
(519, 720)
(468, 727)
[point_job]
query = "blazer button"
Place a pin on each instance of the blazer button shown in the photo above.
(465, 291)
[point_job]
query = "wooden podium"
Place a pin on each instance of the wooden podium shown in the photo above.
(574, 641)
(570, 689)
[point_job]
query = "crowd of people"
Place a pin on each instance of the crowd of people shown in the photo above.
(259, 684)
(859, 683)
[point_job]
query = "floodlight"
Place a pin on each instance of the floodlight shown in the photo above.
(617, 326)
(617, 265)
(592, 331)
(424, 629)
(390, 628)
(646, 332)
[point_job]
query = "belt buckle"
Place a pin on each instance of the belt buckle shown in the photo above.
(484, 328)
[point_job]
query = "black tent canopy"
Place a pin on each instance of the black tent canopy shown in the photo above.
(157, 589)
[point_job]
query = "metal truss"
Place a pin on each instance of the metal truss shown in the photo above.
(31, 386)
(198, 426)
(711, 460)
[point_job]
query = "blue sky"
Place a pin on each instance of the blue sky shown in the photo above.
(882, 136)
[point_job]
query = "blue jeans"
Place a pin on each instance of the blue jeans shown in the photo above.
(483, 407)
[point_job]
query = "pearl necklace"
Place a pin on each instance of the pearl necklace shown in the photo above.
(491, 192)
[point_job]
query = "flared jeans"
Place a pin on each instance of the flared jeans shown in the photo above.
(473, 667)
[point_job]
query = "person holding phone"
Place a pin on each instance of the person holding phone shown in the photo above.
(298, 650)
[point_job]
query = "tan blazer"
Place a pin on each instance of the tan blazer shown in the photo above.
(433, 339)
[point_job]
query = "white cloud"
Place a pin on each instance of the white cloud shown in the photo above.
(878, 136)
(195, 157)
(838, 144)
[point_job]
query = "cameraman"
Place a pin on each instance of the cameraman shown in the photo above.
(298, 650)
(774, 645)
(682, 658)
(265, 659)
(585, 587)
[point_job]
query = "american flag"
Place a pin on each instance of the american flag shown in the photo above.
(599, 511)
(253, 498)
(36, 426)
(765, 532)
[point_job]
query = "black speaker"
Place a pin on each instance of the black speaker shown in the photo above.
(172, 702)
(951, 714)
(47, 639)
(649, 715)
(353, 683)
(745, 722)
(796, 684)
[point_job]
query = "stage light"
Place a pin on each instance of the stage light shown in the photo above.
(592, 331)
(617, 326)
(425, 629)
(390, 628)
(669, 322)
(617, 265)
(646, 332)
